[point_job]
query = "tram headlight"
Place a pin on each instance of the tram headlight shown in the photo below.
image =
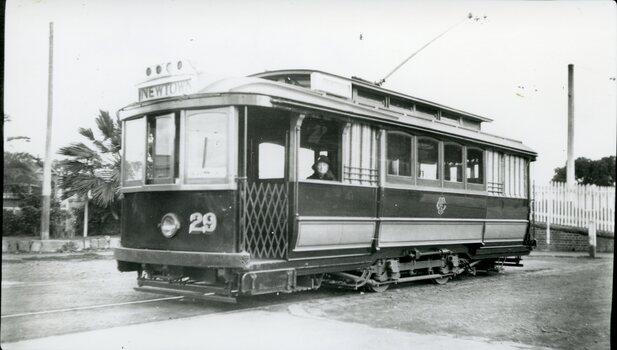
(170, 224)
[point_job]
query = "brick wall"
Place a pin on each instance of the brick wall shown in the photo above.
(568, 239)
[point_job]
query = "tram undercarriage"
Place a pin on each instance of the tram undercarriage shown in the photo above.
(439, 267)
(225, 284)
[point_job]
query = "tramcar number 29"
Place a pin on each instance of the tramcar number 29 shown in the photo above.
(205, 223)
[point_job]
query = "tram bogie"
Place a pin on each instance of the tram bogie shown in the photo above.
(273, 184)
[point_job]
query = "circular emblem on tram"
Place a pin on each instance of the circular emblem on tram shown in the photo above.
(441, 205)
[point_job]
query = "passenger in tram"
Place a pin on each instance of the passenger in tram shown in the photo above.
(321, 170)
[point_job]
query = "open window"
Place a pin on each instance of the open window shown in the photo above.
(272, 160)
(161, 157)
(267, 144)
(398, 157)
(475, 168)
(453, 165)
(320, 140)
(428, 161)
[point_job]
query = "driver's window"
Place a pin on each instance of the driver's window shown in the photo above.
(320, 150)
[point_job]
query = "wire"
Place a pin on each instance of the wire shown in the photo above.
(380, 82)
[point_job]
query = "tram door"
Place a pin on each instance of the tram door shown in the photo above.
(265, 195)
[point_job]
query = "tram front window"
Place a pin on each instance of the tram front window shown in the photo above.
(206, 145)
(160, 156)
(134, 153)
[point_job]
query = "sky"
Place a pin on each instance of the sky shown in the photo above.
(510, 66)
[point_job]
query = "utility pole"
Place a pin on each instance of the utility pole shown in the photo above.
(47, 165)
(570, 164)
(88, 197)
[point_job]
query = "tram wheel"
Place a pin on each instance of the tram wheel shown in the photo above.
(441, 280)
(376, 288)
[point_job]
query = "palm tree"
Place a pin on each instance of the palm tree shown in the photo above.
(19, 167)
(94, 171)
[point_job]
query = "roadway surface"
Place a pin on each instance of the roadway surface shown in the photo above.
(80, 300)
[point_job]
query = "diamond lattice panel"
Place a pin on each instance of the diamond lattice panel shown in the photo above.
(265, 220)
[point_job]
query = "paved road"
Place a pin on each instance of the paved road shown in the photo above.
(551, 302)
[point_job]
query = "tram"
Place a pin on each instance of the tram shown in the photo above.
(284, 180)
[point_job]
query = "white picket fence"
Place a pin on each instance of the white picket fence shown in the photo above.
(575, 206)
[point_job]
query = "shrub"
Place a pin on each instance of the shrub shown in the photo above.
(27, 220)
(100, 221)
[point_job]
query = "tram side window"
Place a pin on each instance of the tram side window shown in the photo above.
(399, 154)
(475, 166)
(160, 149)
(453, 163)
(206, 145)
(134, 151)
(320, 149)
(428, 159)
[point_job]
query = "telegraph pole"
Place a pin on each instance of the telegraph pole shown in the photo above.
(570, 164)
(47, 165)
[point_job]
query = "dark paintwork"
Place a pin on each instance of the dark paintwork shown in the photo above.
(200, 259)
(315, 199)
(142, 212)
(422, 204)
(507, 208)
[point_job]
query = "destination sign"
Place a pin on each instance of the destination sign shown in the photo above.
(168, 89)
(331, 85)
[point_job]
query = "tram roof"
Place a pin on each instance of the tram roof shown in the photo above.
(283, 94)
(359, 82)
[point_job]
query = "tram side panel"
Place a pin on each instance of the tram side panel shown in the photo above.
(333, 220)
(507, 220)
(421, 218)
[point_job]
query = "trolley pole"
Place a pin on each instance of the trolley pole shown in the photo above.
(45, 209)
(570, 164)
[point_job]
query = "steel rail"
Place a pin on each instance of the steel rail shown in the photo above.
(90, 307)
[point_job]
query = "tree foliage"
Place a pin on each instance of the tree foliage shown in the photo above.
(27, 220)
(22, 180)
(20, 171)
(94, 168)
(599, 172)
